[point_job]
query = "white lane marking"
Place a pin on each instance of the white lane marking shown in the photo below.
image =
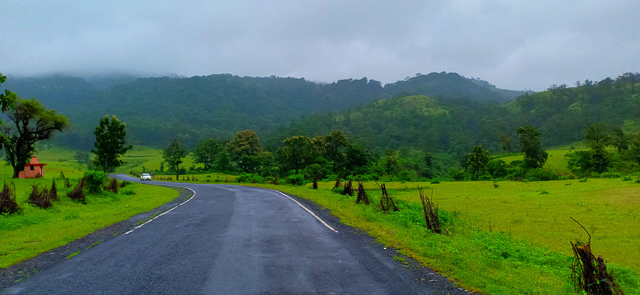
(165, 212)
(305, 208)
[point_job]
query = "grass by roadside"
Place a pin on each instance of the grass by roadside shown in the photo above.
(36, 230)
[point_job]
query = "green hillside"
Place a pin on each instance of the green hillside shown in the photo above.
(191, 109)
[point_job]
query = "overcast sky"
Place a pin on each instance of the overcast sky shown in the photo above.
(512, 44)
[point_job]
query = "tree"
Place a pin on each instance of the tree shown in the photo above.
(33, 123)
(173, 155)
(506, 140)
(597, 139)
(206, 152)
(357, 159)
(7, 101)
(244, 143)
(391, 160)
(297, 153)
(634, 148)
(477, 161)
(534, 155)
(618, 139)
(82, 158)
(223, 162)
(110, 143)
(332, 147)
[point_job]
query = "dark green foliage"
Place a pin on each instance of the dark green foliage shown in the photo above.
(295, 179)
(8, 204)
(249, 178)
(223, 163)
(206, 153)
(32, 122)
(110, 143)
(173, 155)
(7, 100)
(534, 155)
(477, 161)
(95, 181)
(497, 168)
(245, 143)
(296, 154)
(540, 174)
(40, 198)
(597, 139)
(455, 174)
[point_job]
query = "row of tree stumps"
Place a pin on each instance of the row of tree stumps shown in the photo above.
(387, 204)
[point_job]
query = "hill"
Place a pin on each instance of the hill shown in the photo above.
(159, 109)
(455, 124)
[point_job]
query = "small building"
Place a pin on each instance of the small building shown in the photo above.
(32, 170)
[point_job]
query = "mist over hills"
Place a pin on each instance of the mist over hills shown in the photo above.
(191, 109)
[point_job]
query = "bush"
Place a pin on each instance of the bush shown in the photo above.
(455, 174)
(95, 181)
(540, 174)
(610, 175)
(295, 179)
(337, 190)
(497, 168)
(249, 178)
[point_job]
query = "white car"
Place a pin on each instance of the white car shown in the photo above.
(145, 176)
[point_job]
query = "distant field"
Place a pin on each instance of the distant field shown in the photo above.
(556, 161)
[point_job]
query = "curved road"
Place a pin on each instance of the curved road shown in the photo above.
(234, 240)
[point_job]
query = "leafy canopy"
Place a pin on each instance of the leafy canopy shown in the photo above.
(32, 122)
(110, 143)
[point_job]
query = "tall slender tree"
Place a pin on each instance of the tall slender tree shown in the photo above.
(110, 143)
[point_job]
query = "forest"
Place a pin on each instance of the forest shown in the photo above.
(430, 123)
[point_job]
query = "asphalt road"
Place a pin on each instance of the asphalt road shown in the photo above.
(235, 240)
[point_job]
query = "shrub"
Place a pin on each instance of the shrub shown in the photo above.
(8, 204)
(95, 181)
(127, 192)
(337, 190)
(295, 179)
(583, 179)
(540, 174)
(455, 174)
(610, 175)
(249, 178)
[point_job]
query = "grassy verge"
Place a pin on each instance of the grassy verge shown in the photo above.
(36, 230)
(493, 262)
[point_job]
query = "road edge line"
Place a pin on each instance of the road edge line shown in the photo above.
(310, 212)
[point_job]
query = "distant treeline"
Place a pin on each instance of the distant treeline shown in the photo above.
(191, 109)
